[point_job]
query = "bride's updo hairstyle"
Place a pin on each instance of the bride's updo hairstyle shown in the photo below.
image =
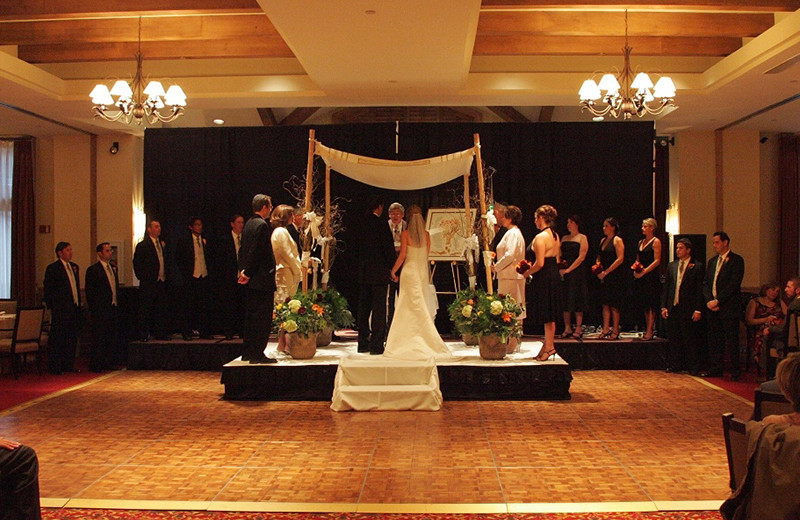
(281, 215)
(548, 214)
(416, 226)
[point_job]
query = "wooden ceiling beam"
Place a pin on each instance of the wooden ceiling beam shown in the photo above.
(236, 48)
(42, 9)
(509, 114)
(679, 5)
(298, 116)
(267, 117)
(599, 45)
(178, 28)
(584, 23)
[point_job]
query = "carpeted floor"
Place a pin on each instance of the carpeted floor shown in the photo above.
(31, 385)
(107, 514)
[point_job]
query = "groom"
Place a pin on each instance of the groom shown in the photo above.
(376, 257)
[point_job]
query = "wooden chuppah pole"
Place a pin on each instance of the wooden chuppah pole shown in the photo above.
(309, 187)
(328, 232)
(468, 219)
(482, 197)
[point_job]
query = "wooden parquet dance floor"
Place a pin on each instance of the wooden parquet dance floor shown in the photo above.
(634, 436)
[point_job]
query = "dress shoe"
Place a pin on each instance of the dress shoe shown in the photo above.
(710, 374)
(375, 353)
(187, 337)
(694, 373)
(735, 377)
(228, 337)
(263, 361)
(74, 370)
(363, 350)
(671, 370)
(144, 339)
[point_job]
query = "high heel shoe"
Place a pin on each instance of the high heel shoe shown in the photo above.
(605, 335)
(578, 335)
(545, 355)
(567, 334)
(613, 337)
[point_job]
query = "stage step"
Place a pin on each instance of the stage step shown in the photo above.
(363, 384)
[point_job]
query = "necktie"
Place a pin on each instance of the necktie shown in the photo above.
(162, 276)
(200, 270)
(681, 268)
(72, 284)
(111, 282)
(716, 274)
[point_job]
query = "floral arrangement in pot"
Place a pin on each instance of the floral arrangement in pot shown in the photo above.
(302, 318)
(337, 315)
(483, 315)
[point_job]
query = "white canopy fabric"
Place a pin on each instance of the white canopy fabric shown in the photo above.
(398, 175)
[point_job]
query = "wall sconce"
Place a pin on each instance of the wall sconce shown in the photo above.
(673, 223)
(114, 148)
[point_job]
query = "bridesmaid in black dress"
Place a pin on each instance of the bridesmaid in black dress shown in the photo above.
(546, 305)
(574, 248)
(647, 281)
(612, 287)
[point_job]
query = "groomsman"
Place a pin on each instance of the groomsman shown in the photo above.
(62, 294)
(723, 295)
(102, 287)
(149, 266)
(231, 303)
(682, 305)
(397, 225)
(376, 257)
(192, 255)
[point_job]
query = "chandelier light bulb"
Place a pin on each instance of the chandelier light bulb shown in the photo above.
(590, 91)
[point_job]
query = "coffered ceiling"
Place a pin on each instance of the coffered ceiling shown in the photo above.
(257, 62)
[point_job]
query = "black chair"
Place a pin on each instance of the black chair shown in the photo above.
(735, 432)
(769, 403)
(25, 339)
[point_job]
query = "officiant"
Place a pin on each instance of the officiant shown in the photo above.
(397, 224)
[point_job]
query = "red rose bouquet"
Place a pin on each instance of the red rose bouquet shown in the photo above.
(597, 268)
(524, 266)
(637, 267)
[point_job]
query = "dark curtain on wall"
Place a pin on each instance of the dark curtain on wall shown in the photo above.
(23, 223)
(595, 170)
(789, 188)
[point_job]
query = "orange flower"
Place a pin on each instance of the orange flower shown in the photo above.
(470, 302)
(507, 317)
(319, 310)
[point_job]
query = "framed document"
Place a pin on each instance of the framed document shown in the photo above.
(449, 230)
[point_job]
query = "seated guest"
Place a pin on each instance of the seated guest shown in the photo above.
(778, 335)
(761, 313)
(788, 378)
(19, 482)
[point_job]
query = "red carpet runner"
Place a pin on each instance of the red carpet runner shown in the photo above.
(113, 514)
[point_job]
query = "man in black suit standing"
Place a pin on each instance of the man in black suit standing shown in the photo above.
(226, 271)
(396, 225)
(295, 226)
(191, 253)
(62, 293)
(150, 268)
(376, 257)
(102, 287)
(682, 305)
(723, 295)
(257, 274)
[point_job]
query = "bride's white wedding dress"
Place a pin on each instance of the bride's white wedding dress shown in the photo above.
(412, 334)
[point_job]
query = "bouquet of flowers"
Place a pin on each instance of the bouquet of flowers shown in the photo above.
(597, 268)
(563, 264)
(477, 313)
(337, 315)
(300, 313)
(524, 266)
(637, 266)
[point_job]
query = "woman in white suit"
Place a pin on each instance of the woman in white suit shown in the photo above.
(510, 252)
(287, 260)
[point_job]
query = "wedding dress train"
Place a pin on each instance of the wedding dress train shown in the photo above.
(413, 335)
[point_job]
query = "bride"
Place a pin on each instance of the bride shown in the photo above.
(413, 334)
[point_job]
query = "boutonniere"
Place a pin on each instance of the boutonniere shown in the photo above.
(163, 243)
(690, 266)
(205, 241)
(74, 267)
(725, 261)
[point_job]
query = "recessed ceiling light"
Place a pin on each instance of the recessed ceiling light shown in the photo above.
(370, 11)
(218, 121)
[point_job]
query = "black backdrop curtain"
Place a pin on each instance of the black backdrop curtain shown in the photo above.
(594, 170)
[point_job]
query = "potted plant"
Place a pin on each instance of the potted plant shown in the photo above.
(337, 315)
(492, 318)
(302, 318)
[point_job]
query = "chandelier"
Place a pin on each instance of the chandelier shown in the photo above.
(135, 103)
(632, 98)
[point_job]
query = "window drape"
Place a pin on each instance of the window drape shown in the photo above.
(6, 186)
(23, 235)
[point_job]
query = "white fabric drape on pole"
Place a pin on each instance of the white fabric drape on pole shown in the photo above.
(6, 185)
(398, 175)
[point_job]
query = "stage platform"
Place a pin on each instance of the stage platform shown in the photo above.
(464, 377)
(627, 353)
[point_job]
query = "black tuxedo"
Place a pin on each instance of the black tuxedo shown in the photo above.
(196, 293)
(103, 312)
(684, 333)
(394, 287)
(152, 309)
(65, 316)
(257, 262)
(295, 234)
(376, 257)
(230, 305)
(723, 325)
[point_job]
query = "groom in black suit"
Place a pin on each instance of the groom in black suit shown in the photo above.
(102, 287)
(682, 305)
(376, 257)
(723, 295)
(62, 293)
